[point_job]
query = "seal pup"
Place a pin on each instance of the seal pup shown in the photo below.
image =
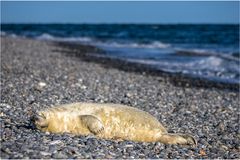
(109, 121)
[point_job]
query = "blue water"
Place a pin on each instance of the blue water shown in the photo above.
(206, 51)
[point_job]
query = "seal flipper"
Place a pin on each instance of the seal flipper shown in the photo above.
(93, 123)
(184, 139)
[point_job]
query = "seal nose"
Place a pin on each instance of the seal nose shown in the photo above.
(33, 119)
(39, 121)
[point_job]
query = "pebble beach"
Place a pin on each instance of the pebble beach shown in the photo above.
(39, 74)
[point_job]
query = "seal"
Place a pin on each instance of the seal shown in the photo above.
(108, 121)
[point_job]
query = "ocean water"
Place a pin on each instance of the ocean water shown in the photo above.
(206, 51)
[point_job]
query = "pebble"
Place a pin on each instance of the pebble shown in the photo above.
(56, 142)
(59, 156)
(4, 105)
(42, 84)
(45, 153)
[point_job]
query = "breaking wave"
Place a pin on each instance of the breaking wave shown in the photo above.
(46, 36)
(211, 67)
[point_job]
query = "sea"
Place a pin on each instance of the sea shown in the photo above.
(204, 51)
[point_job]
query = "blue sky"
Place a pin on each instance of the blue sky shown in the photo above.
(120, 12)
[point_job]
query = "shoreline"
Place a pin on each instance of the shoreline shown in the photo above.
(37, 74)
(177, 79)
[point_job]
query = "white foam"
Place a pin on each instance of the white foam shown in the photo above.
(2, 33)
(210, 67)
(46, 36)
(210, 63)
(13, 35)
(204, 52)
(153, 45)
(78, 39)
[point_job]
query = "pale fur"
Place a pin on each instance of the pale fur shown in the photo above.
(109, 121)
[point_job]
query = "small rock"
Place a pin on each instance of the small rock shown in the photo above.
(224, 147)
(42, 84)
(60, 156)
(202, 152)
(129, 95)
(5, 105)
(221, 126)
(52, 149)
(129, 145)
(45, 153)
(83, 87)
(2, 114)
(55, 142)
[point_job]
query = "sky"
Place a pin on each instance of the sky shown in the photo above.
(120, 12)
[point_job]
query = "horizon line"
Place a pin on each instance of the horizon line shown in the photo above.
(117, 23)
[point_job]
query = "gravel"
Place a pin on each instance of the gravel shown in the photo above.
(37, 75)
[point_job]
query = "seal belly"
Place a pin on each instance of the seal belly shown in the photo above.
(130, 124)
